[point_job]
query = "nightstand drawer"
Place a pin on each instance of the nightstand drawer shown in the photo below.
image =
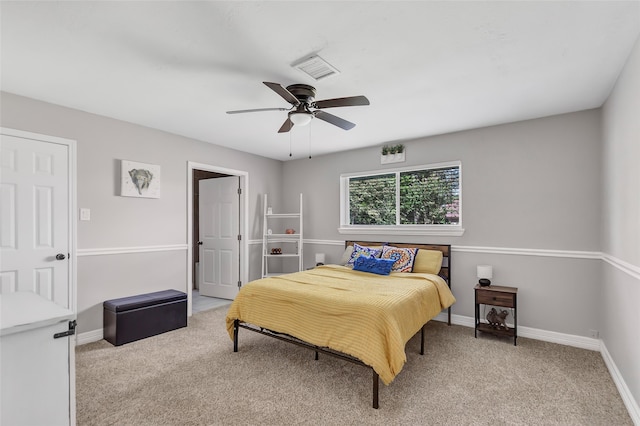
(496, 299)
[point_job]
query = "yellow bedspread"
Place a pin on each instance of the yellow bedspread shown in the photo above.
(368, 316)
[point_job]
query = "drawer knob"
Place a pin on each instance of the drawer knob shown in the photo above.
(495, 298)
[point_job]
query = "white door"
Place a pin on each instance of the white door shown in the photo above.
(34, 217)
(219, 213)
(36, 203)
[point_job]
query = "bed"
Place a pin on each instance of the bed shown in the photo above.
(349, 312)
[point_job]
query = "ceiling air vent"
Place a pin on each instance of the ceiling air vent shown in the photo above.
(316, 67)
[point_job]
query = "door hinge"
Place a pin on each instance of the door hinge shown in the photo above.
(239, 237)
(70, 332)
(239, 284)
(239, 191)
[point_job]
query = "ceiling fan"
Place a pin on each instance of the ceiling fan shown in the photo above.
(305, 107)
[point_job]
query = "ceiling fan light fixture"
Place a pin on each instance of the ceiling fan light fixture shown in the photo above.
(304, 107)
(300, 118)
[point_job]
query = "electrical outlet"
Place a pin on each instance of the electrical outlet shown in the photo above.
(594, 334)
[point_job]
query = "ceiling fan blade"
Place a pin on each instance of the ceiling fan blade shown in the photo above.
(341, 102)
(336, 121)
(286, 126)
(240, 111)
(287, 95)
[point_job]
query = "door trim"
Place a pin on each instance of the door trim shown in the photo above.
(244, 222)
(72, 243)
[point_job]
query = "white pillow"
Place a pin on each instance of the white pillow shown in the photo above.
(346, 256)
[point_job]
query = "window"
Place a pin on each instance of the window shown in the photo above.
(417, 200)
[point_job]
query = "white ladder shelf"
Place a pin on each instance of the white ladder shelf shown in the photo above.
(292, 246)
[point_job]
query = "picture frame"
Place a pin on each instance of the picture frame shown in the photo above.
(141, 180)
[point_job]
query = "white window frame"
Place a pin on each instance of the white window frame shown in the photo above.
(434, 230)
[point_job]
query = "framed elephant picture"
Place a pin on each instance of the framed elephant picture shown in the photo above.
(139, 179)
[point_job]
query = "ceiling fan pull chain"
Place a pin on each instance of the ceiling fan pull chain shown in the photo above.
(290, 144)
(309, 142)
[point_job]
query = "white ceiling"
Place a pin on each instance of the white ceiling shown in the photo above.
(427, 67)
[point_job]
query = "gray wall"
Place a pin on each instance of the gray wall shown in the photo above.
(620, 298)
(122, 222)
(533, 185)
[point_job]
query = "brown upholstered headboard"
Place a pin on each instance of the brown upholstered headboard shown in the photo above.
(445, 270)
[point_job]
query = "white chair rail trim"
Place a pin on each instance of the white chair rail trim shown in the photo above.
(128, 250)
(574, 254)
(626, 267)
(620, 264)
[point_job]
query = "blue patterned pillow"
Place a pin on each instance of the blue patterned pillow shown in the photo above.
(359, 250)
(373, 265)
(403, 257)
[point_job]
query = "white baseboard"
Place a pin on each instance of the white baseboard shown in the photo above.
(456, 319)
(560, 338)
(89, 337)
(623, 389)
(533, 333)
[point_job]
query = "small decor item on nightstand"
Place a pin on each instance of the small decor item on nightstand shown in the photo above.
(498, 320)
(485, 273)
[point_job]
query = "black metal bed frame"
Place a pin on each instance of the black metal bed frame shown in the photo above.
(237, 324)
(446, 270)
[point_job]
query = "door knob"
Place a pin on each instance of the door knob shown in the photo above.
(60, 256)
(199, 243)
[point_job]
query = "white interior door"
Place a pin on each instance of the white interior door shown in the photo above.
(219, 214)
(34, 218)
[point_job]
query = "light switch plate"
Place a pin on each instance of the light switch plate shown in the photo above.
(85, 214)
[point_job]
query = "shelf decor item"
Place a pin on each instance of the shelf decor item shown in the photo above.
(392, 154)
(498, 320)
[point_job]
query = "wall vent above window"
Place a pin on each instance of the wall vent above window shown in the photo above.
(316, 67)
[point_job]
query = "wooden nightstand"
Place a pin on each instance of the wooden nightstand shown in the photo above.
(506, 297)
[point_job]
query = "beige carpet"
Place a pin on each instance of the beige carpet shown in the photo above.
(192, 377)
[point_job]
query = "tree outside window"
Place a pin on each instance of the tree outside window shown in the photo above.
(424, 196)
